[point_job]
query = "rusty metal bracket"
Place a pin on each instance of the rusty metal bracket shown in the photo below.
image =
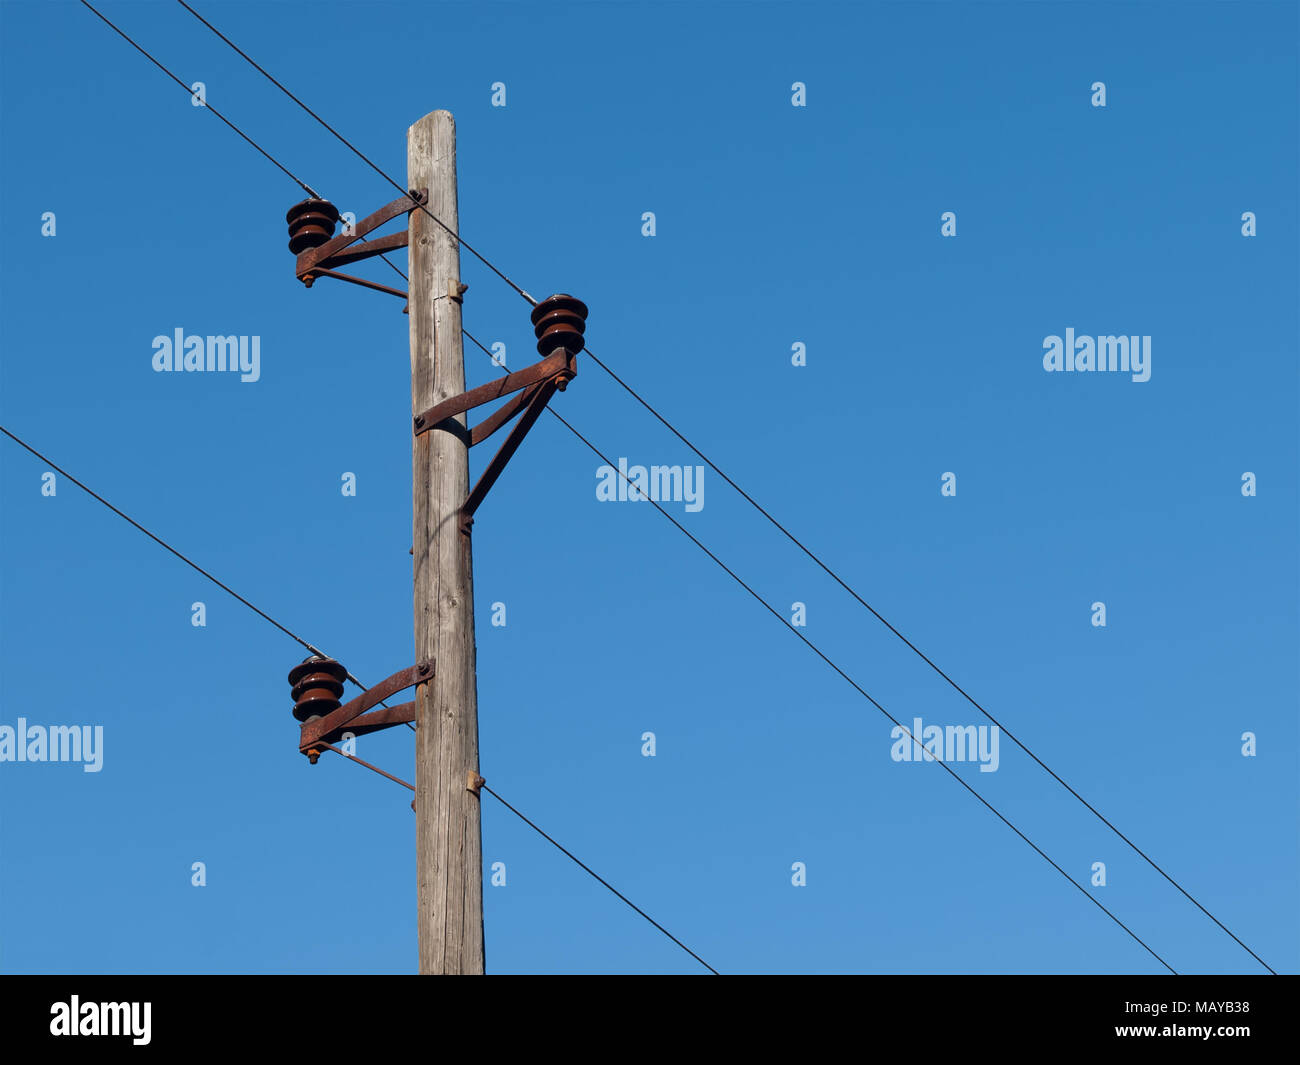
(311, 225)
(353, 716)
(473, 781)
(560, 364)
(375, 721)
(559, 323)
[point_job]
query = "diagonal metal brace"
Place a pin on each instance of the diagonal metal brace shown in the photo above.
(504, 414)
(321, 272)
(353, 716)
(509, 446)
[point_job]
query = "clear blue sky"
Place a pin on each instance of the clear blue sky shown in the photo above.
(775, 225)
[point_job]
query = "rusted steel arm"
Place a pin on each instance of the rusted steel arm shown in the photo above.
(370, 248)
(352, 711)
(384, 717)
(312, 260)
(560, 362)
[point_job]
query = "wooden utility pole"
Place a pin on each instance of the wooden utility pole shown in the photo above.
(447, 829)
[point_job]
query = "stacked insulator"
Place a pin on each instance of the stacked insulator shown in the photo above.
(311, 224)
(559, 322)
(317, 684)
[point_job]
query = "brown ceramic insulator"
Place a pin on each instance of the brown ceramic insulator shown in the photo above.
(318, 664)
(326, 681)
(317, 684)
(314, 703)
(311, 224)
(559, 322)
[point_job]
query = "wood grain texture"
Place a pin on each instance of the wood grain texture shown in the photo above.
(448, 835)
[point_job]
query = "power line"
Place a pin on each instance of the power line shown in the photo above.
(754, 503)
(925, 658)
(591, 872)
(549, 839)
(358, 153)
(820, 654)
(315, 650)
(262, 151)
(163, 543)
